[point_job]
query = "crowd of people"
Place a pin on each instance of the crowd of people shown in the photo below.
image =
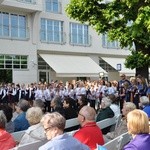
(128, 90)
(42, 110)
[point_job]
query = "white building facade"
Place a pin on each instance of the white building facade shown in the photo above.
(40, 43)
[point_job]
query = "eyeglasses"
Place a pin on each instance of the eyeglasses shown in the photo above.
(47, 129)
(81, 115)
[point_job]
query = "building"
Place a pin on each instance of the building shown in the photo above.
(40, 43)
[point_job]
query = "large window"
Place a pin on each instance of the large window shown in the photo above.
(52, 31)
(79, 34)
(53, 6)
(107, 67)
(13, 26)
(13, 62)
(109, 44)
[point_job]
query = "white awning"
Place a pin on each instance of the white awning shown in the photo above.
(119, 62)
(73, 66)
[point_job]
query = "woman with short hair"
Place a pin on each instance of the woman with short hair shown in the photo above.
(138, 127)
(105, 112)
(35, 132)
(54, 124)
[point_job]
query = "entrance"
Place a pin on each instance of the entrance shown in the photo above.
(44, 76)
(6, 76)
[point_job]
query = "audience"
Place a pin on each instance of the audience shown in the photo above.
(105, 112)
(122, 128)
(138, 127)
(69, 110)
(56, 105)
(39, 103)
(8, 111)
(54, 124)
(145, 105)
(6, 140)
(36, 131)
(89, 134)
(20, 121)
(115, 108)
(82, 101)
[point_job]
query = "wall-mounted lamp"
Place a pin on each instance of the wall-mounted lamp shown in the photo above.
(33, 63)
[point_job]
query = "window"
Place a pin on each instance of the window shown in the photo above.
(13, 62)
(109, 44)
(53, 6)
(13, 26)
(42, 65)
(52, 31)
(79, 34)
(107, 67)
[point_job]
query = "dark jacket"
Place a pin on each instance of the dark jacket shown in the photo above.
(104, 114)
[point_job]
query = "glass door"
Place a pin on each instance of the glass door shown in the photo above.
(43, 76)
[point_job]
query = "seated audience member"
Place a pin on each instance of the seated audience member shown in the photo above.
(122, 128)
(145, 105)
(82, 101)
(20, 121)
(57, 106)
(105, 110)
(6, 140)
(39, 103)
(54, 124)
(8, 111)
(115, 108)
(89, 134)
(138, 127)
(36, 131)
(69, 111)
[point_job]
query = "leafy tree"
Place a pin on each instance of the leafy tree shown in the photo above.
(127, 21)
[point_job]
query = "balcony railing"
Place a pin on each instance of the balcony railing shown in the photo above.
(14, 33)
(80, 40)
(27, 1)
(52, 37)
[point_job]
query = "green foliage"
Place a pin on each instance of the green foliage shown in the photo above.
(127, 21)
(137, 60)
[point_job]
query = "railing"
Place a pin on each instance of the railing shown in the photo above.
(27, 1)
(80, 40)
(14, 33)
(52, 37)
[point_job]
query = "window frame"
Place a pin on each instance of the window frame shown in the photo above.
(79, 34)
(55, 35)
(9, 62)
(13, 26)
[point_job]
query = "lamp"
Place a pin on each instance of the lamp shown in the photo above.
(118, 67)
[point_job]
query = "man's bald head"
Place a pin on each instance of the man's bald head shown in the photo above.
(88, 112)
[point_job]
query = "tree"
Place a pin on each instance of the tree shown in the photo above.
(127, 21)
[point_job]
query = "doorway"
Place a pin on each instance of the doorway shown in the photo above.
(6, 76)
(44, 76)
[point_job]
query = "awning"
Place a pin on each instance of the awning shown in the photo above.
(118, 63)
(73, 66)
